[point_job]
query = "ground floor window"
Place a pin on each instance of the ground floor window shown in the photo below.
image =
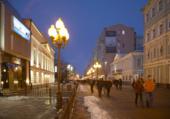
(169, 74)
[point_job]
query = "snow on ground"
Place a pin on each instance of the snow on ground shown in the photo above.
(96, 111)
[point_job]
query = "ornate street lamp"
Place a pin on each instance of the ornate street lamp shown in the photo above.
(59, 36)
(97, 66)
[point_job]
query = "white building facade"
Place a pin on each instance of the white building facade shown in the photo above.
(127, 67)
(42, 58)
(157, 40)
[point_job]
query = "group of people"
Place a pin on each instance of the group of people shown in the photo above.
(147, 87)
(100, 85)
(118, 83)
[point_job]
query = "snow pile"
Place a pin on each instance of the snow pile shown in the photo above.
(13, 98)
(92, 103)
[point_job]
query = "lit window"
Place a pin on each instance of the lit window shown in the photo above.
(123, 32)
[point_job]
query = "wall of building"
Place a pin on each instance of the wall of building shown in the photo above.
(123, 40)
(157, 40)
(128, 66)
(14, 50)
(42, 57)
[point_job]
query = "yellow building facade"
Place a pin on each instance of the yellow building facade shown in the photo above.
(157, 40)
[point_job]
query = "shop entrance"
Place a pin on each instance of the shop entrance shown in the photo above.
(12, 76)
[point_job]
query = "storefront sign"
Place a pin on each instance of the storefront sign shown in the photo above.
(21, 29)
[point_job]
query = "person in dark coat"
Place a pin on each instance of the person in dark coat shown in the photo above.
(108, 85)
(99, 87)
(120, 83)
(92, 86)
(138, 88)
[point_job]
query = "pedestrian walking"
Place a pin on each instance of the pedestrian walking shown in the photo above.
(120, 83)
(99, 88)
(149, 87)
(92, 86)
(138, 87)
(108, 87)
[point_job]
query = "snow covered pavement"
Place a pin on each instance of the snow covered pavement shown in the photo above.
(120, 105)
(91, 102)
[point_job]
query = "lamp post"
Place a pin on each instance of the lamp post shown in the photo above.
(59, 36)
(105, 72)
(97, 66)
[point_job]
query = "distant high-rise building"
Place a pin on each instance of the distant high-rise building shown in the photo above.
(114, 39)
(157, 40)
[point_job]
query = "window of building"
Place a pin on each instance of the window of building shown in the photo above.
(160, 5)
(154, 52)
(147, 17)
(148, 55)
(160, 29)
(153, 12)
(148, 36)
(169, 24)
(34, 54)
(154, 33)
(169, 48)
(161, 50)
(35, 81)
(37, 77)
(169, 74)
(37, 59)
(139, 63)
(123, 45)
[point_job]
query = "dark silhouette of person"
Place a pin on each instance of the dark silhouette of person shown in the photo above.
(108, 85)
(99, 87)
(92, 86)
(120, 83)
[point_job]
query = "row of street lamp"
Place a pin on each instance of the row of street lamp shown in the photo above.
(59, 36)
(96, 67)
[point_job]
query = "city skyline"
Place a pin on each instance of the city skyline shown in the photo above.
(85, 21)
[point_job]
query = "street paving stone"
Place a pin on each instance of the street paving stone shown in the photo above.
(120, 105)
(19, 107)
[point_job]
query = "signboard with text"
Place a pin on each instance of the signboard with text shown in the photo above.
(20, 29)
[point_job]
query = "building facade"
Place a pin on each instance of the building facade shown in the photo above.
(114, 39)
(128, 66)
(157, 40)
(15, 48)
(42, 57)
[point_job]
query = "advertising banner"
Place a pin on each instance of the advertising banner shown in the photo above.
(110, 42)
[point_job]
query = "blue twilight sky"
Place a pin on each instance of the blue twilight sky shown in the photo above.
(85, 19)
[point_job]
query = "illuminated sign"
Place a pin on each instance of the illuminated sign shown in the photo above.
(21, 29)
